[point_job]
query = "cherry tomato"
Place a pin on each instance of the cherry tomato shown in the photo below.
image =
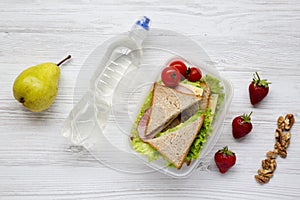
(178, 64)
(170, 76)
(194, 74)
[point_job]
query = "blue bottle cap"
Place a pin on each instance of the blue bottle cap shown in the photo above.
(144, 22)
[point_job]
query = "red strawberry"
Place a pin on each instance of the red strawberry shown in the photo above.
(241, 126)
(258, 89)
(224, 159)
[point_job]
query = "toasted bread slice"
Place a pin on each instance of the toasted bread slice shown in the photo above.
(167, 104)
(185, 115)
(174, 146)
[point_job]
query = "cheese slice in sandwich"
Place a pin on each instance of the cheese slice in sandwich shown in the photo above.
(174, 146)
(167, 104)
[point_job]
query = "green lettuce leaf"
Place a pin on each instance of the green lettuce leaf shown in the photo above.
(137, 144)
(144, 149)
(216, 88)
(201, 138)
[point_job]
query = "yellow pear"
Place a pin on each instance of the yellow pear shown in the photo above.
(36, 87)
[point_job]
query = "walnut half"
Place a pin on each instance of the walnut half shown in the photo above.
(261, 179)
(289, 121)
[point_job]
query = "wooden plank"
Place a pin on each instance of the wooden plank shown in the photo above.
(240, 37)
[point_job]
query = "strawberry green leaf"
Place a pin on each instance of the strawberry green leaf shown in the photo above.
(246, 118)
(260, 82)
(225, 151)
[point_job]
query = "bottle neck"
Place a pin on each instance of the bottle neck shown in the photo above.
(138, 34)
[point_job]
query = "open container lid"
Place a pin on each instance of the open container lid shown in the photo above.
(110, 144)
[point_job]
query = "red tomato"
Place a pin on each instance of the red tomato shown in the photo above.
(178, 64)
(194, 74)
(170, 76)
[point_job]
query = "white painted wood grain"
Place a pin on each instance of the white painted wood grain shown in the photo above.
(240, 37)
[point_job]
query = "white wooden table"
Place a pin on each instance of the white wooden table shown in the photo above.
(240, 37)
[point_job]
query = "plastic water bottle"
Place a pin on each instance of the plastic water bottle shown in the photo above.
(93, 109)
(122, 55)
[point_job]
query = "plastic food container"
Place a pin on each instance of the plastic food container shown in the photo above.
(110, 143)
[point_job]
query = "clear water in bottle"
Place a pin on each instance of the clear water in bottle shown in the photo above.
(93, 109)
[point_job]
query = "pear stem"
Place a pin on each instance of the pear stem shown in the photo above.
(64, 60)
